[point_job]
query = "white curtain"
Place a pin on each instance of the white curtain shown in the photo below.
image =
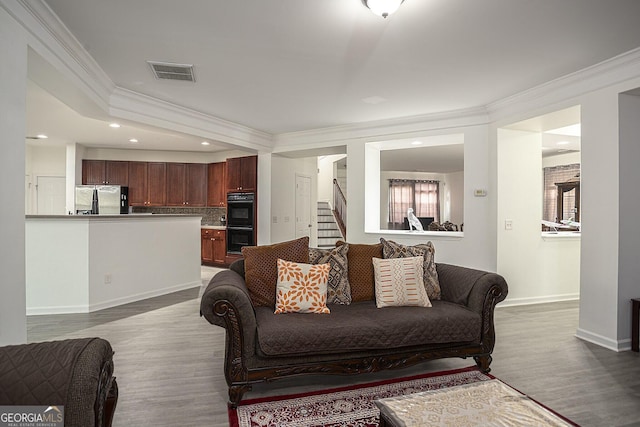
(422, 196)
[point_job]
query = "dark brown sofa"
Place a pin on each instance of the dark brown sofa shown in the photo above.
(356, 338)
(75, 373)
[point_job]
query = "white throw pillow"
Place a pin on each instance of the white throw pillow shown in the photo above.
(399, 282)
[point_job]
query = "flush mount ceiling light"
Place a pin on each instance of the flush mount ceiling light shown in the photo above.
(205, 143)
(114, 125)
(383, 8)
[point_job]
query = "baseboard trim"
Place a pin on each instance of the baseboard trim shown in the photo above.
(512, 302)
(602, 341)
(143, 295)
(39, 311)
(65, 309)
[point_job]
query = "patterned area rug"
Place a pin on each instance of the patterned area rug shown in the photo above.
(343, 407)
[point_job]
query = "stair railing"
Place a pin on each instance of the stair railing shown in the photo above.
(340, 208)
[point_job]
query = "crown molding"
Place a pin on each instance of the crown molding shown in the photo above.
(397, 128)
(618, 69)
(152, 111)
(50, 38)
(54, 42)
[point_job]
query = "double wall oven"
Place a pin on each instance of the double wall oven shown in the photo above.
(241, 221)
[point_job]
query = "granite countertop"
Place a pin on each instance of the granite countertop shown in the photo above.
(214, 227)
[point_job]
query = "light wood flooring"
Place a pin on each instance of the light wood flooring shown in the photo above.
(168, 361)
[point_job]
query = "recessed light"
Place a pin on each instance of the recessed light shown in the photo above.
(562, 143)
(417, 143)
(42, 136)
(205, 143)
(114, 125)
(133, 140)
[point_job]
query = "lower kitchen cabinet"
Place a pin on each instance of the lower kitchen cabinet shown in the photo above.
(214, 246)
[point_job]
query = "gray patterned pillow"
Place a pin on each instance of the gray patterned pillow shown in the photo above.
(338, 290)
(391, 249)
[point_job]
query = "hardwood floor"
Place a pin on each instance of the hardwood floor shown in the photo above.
(168, 361)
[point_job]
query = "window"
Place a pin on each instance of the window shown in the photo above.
(570, 205)
(420, 195)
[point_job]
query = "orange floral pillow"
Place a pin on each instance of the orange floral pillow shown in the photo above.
(301, 288)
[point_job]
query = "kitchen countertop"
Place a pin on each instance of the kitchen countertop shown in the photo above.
(104, 217)
(214, 227)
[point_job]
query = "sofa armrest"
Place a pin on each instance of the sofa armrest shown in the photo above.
(226, 303)
(469, 287)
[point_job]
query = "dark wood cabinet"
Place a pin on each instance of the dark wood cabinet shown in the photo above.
(196, 184)
(105, 172)
(214, 248)
(156, 184)
(242, 174)
(147, 184)
(186, 184)
(216, 188)
(138, 183)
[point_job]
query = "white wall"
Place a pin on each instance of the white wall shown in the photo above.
(537, 269)
(326, 174)
(42, 161)
(145, 256)
(629, 243)
(598, 320)
(283, 204)
(561, 159)
(13, 86)
(454, 205)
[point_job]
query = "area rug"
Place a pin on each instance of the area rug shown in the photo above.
(351, 406)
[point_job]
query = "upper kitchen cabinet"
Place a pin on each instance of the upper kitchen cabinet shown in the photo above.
(216, 188)
(242, 174)
(186, 184)
(105, 172)
(147, 184)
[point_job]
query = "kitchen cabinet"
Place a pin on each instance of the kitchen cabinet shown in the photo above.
(214, 248)
(105, 172)
(242, 174)
(147, 184)
(216, 190)
(186, 184)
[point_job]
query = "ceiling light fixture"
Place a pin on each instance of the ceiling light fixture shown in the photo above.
(42, 136)
(416, 143)
(133, 140)
(383, 8)
(114, 125)
(205, 143)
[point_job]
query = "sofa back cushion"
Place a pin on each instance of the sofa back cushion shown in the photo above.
(361, 278)
(338, 290)
(261, 267)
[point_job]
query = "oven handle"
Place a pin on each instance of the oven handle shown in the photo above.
(239, 228)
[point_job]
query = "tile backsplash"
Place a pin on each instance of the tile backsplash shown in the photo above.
(210, 216)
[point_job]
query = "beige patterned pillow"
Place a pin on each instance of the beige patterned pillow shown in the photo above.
(301, 288)
(399, 282)
(338, 290)
(391, 249)
(261, 267)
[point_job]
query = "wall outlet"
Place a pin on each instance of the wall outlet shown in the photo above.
(107, 278)
(508, 224)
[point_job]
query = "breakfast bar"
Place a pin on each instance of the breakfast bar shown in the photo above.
(84, 263)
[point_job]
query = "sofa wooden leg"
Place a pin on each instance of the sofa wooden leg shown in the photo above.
(110, 404)
(236, 392)
(483, 363)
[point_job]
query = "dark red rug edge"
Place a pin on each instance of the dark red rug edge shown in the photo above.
(233, 419)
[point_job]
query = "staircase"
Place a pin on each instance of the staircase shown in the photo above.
(328, 231)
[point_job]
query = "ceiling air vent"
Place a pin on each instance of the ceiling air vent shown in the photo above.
(169, 71)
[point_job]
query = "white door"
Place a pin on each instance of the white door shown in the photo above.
(52, 195)
(303, 206)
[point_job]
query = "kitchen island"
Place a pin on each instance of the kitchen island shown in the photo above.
(84, 263)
